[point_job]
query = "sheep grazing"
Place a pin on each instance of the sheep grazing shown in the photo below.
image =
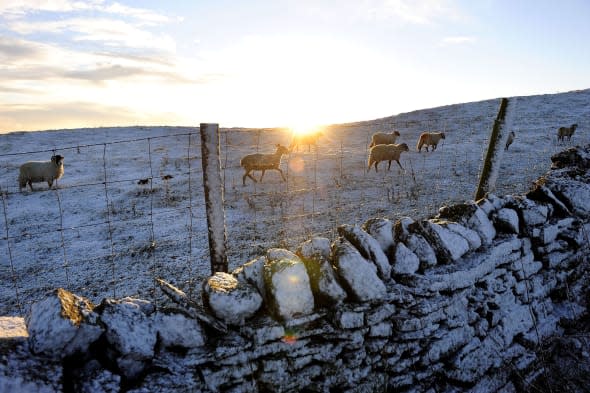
(568, 132)
(39, 171)
(306, 139)
(389, 153)
(263, 162)
(510, 139)
(429, 139)
(382, 138)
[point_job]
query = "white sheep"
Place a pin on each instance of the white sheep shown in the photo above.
(305, 139)
(429, 139)
(39, 171)
(383, 138)
(389, 153)
(263, 162)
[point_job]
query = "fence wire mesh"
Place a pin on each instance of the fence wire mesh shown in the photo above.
(131, 209)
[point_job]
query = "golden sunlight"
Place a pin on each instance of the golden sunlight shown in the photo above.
(304, 129)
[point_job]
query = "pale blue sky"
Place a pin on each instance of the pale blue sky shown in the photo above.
(266, 63)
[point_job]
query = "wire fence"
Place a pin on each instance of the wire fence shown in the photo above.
(129, 210)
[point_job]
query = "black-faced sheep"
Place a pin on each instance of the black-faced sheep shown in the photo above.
(389, 153)
(306, 139)
(568, 132)
(39, 171)
(510, 139)
(382, 138)
(429, 139)
(263, 162)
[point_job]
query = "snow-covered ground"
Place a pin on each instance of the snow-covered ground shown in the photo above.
(101, 234)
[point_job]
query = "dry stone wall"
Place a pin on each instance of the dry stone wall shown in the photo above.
(457, 302)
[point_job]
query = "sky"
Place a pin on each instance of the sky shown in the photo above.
(277, 63)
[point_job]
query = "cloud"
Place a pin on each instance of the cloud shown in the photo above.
(457, 40)
(13, 50)
(18, 8)
(107, 32)
(420, 12)
(20, 117)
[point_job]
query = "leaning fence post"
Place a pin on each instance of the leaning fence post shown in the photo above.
(213, 189)
(493, 160)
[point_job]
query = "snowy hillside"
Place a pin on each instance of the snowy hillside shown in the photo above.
(103, 233)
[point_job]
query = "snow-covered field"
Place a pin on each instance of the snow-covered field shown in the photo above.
(102, 234)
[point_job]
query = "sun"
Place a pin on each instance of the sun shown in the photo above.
(301, 129)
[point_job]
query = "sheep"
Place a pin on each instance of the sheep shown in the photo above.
(566, 131)
(263, 162)
(305, 139)
(388, 152)
(382, 138)
(510, 139)
(38, 171)
(429, 139)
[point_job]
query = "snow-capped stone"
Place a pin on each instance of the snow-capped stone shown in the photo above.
(324, 284)
(573, 193)
(275, 254)
(252, 272)
(401, 228)
(288, 288)
(419, 246)
(471, 216)
(468, 234)
(382, 230)
(496, 201)
(231, 300)
(448, 245)
(572, 157)
(62, 324)
(406, 262)
(532, 213)
(315, 246)
(130, 333)
(507, 220)
(176, 330)
(368, 247)
(485, 205)
(451, 341)
(357, 274)
(549, 232)
(542, 193)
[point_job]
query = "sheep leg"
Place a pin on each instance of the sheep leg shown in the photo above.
(248, 175)
(261, 176)
(376, 162)
(389, 167)
(400, 165)
(30, 183)
(282, 175)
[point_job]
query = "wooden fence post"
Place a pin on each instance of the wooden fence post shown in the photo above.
(493, 160)
(213, 189)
